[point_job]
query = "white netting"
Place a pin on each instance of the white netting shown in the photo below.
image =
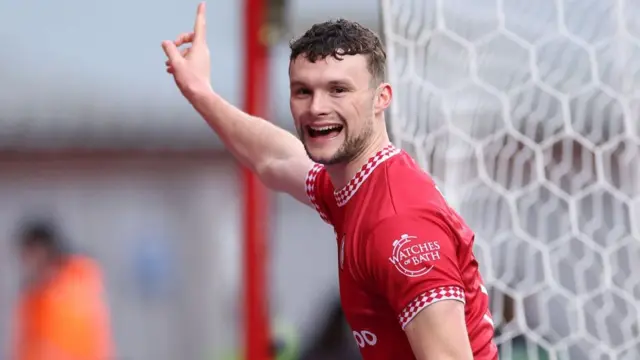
(527, 113)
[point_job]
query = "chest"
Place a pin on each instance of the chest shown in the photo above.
(373, 323)
(360, 301)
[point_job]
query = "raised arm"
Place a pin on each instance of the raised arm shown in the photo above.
(274, 154)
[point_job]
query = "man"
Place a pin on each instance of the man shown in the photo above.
(61, 313)
(409, 282)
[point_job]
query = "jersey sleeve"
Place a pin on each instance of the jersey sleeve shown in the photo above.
(319, 190)
(412, 262)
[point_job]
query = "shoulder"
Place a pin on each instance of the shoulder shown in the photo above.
(402, 198)
(82, 265)
(427, 220)
(406, 186)
(409, 249)
(81, 275)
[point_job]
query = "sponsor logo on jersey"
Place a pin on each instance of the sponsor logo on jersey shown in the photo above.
(412, 257)
(365, 338)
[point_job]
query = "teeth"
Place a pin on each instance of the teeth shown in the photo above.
(325, 128)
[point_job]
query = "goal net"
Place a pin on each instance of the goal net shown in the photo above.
(527, 114)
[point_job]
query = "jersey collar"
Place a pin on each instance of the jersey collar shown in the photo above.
(343, 195)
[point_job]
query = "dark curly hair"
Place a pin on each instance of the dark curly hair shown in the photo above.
(42, 234)
(338, 38)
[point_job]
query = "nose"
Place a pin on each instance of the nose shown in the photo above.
(319, 105)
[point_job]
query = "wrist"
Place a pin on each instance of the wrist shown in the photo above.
(199, 92)
(204, 100)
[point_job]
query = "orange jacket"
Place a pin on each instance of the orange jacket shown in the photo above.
(67, 318)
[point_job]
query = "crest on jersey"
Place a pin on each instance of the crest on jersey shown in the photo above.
(413, 257)
(342, 241)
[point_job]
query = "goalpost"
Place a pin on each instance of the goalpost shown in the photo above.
(527, 114)
(256, 339)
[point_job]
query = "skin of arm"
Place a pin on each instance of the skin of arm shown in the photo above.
(275, 155)
(439, 332)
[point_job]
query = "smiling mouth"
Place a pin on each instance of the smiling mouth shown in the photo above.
(326, 131)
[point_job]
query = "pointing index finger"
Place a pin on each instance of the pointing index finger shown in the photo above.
(200, 27)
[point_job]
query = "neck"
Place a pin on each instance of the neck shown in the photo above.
(340, 174)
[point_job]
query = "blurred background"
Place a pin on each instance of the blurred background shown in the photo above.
(527, 113)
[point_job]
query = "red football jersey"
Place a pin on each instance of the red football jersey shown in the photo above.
(401, 248)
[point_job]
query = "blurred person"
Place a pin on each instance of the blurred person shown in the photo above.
(409, 282)
(61, 313)
(282, 346)
(334, 341)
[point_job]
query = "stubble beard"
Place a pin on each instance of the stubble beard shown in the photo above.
(350, 149)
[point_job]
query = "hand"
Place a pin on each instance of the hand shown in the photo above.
(191, 66)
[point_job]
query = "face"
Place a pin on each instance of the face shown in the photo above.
(33, 261)
(337, 111)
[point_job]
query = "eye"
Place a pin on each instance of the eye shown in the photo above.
(302, 91)
(339, 90)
